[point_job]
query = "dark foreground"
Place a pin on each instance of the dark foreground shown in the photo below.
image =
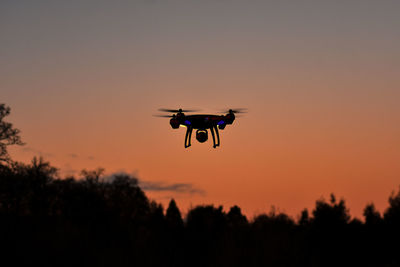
(69, 222)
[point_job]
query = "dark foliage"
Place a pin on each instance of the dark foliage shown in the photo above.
(90, 221)
(8, 134)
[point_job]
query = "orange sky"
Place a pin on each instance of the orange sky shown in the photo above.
(320, 81)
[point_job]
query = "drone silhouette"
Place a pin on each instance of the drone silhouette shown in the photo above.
(201, 122)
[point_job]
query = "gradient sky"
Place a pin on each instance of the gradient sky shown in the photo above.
(321, 80)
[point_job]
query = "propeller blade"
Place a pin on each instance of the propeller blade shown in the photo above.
(243, 110)
(163, 116)
(168, 110)
(235, 110)
(191, 110)
(177, 110)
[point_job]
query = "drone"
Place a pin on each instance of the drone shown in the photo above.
(200, 122)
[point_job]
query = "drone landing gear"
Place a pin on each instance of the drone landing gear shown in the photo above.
(212, 129)
(188, 136)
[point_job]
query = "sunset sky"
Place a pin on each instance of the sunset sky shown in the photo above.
(321, 80)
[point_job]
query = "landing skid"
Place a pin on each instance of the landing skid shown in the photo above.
(188, 136)
(212, 129)
(214, 132)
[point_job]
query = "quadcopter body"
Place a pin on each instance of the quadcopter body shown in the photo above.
(201, 123)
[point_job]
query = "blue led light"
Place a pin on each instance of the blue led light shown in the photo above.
(220, 122)
(187, 122)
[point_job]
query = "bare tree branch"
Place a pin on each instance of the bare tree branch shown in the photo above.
(8, 134)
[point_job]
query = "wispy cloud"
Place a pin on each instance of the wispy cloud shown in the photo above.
(160, 186)
(174, 187)
(73, 155)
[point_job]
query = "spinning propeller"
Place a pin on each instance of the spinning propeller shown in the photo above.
(165, 116)
(178, 110)
(174, 111)
(235, 111)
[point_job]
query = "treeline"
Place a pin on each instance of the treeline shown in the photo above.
(45, 220)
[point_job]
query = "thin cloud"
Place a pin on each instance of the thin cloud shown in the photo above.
(73, 155)
(159, 186)
(174, 187)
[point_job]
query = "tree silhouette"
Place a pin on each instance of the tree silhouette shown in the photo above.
(392, 214)
(173, 216)
(110, 222)
(372, 216)
(8, 135)
(304, 218)
(207, 219)
(235, 217)
(331, 214)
